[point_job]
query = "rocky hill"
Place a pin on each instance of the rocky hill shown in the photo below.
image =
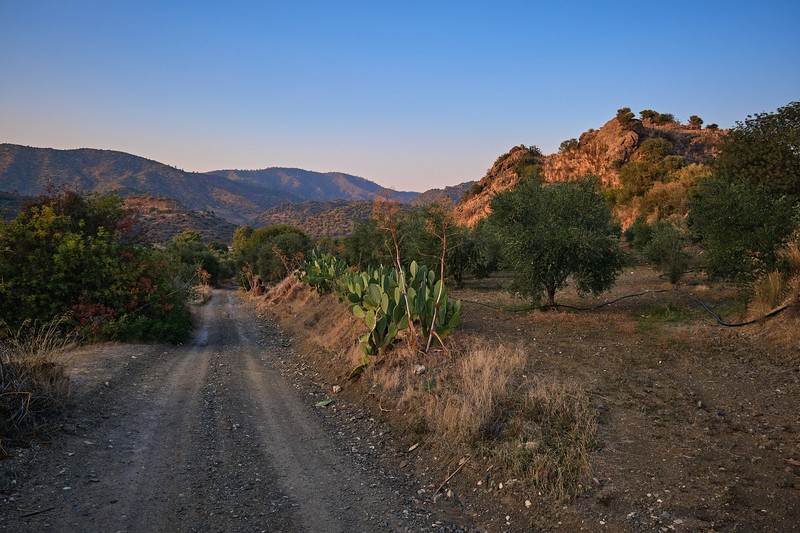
(447, 197)
(164, 218)
(503, 175)
(601, 153)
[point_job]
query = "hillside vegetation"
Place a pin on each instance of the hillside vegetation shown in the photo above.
(165, 218)
(318, 186)
(335, 218)
(448, 197)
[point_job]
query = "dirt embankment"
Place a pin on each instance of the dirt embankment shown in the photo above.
(218, 435)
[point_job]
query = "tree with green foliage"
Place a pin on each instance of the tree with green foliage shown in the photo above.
(648, 114)
(655, 117)
(82, 256)
(192, 254)
(750, 208)
(695, 122)
(625, 115)
(271, 253)
(368, 245)
(569, 144)
(664, 242)
(742, 226)
(764, 150)
(551, 231)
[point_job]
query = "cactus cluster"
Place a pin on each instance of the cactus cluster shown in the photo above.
(322, 271)
(387, 300)
(375, 296)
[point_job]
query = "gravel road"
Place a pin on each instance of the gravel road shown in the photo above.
(216, 435)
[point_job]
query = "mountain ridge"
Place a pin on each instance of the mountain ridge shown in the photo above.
(30, 171)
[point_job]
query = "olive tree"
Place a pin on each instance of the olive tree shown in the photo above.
(751, 206)
(551, 231)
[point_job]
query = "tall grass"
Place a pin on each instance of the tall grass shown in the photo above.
(473, 394)
(32, 379)
(768, 293)
(780, 286)
(476, 400)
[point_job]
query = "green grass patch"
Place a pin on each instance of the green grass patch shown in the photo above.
(658, 316)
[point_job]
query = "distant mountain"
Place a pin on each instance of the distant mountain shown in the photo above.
(237, 196)
(335, 218)
(309, 185)
(448, 197)
(31, 171)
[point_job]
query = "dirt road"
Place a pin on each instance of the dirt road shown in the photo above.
(210, 436)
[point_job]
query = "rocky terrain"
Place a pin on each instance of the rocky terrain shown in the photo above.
(600, 153)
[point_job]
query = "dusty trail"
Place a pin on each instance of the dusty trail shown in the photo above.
(204, 437)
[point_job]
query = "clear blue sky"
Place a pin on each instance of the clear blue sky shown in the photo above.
(410, 94)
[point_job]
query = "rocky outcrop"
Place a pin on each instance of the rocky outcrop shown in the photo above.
(503, 175)
(600, 153)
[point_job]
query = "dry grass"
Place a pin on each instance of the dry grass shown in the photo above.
(200, 294)
(792, 257)
(782, 334)
(472, 398)
(325, 330)
(32, 379)
(286, 290)
(768, 293)
(550, 437)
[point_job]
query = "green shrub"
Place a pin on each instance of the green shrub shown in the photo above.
(82, 255)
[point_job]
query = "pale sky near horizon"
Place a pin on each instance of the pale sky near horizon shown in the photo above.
(412, 95)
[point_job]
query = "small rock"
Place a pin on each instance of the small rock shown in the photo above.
(528, 503)
(337, 389)
(419, 369)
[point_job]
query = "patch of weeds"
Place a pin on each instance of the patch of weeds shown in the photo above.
(429, 385)
(549, 440)
(658, 316)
